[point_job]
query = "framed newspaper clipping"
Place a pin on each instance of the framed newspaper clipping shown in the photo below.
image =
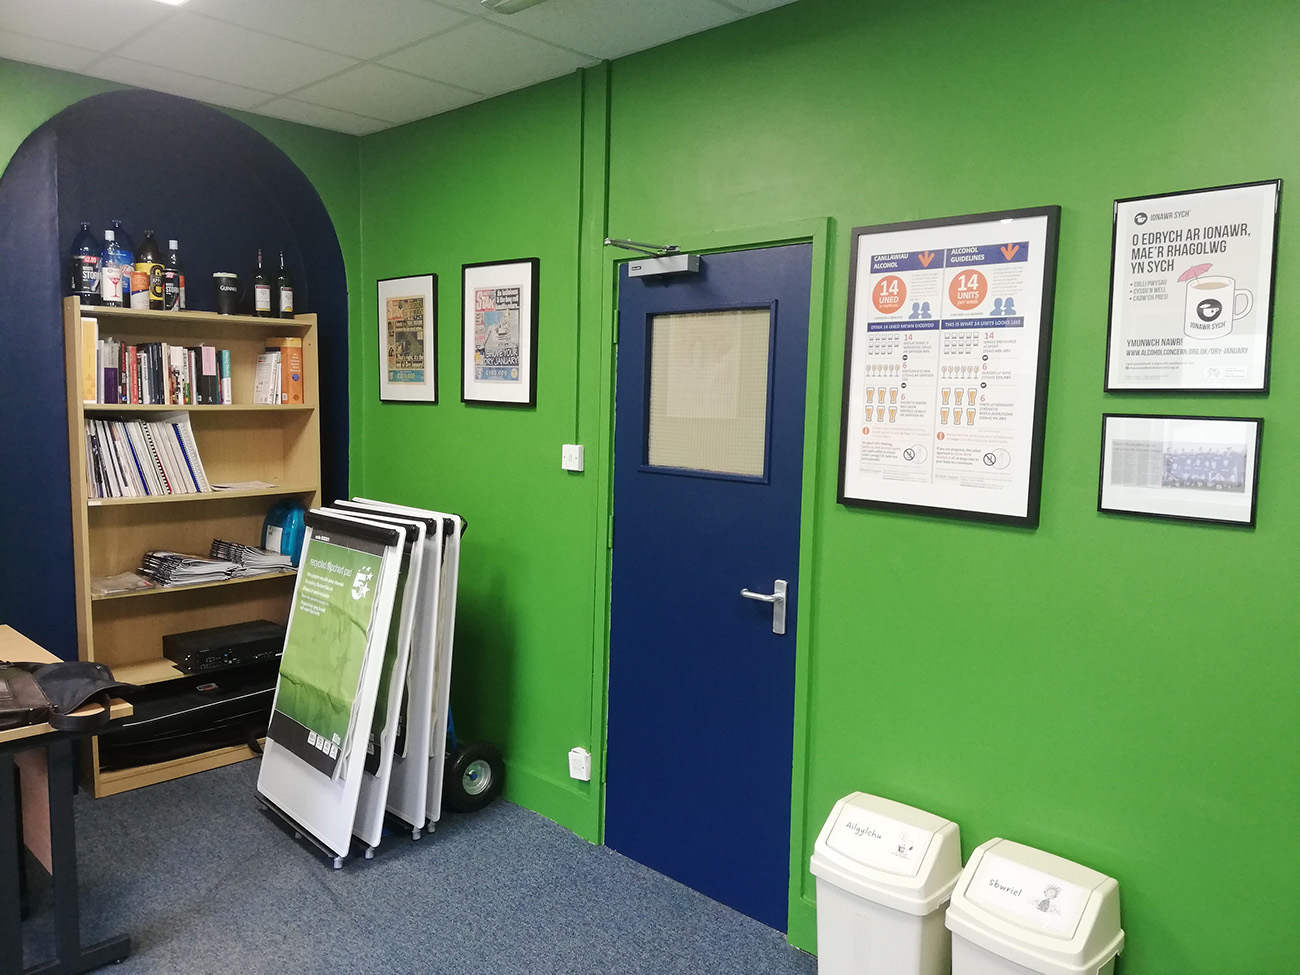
(499, 332)
(408, 339)
(945, 365)
(1190, 468)
(1191, 290)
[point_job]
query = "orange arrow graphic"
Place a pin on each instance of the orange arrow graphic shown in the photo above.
(1009, 250)
(926, 257)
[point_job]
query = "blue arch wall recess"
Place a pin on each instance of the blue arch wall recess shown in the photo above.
(186, 171)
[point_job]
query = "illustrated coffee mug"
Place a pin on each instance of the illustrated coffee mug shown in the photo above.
(1212, 305)
(225, 289)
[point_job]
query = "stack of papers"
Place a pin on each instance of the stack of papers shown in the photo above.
(179, 569)
(253, 559)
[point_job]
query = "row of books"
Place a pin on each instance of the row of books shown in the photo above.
(278, 378)
(129, 458)
(160, 374)
(122, 372)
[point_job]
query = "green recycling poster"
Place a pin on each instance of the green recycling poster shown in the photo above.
(329, 632)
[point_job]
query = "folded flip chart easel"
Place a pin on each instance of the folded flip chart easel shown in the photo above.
(448, 570)
(330, 671)
(331, 782)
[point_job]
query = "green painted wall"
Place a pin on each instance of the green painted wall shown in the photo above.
(1119, 691)
(497, 181)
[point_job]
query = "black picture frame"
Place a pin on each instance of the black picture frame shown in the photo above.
(1198, 482)
(497, 383)
(1011, 462)
(408, 382)
(1143, 222)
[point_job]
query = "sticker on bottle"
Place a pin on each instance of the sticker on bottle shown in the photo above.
(879, 841)
(1044, 901)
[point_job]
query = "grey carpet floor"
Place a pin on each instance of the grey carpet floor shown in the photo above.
(206, 883)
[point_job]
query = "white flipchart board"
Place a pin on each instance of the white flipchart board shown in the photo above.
(450, 572)
(369, 824)
(326, 807)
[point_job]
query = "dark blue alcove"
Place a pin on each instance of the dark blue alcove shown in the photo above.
(184, 171)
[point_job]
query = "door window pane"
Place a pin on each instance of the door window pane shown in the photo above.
(708, 390)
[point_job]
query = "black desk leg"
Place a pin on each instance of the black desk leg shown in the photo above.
(72, 959)
(11, 930)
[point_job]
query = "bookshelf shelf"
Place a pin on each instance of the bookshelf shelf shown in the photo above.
(205, 320)
(206, 496)
(243, 442)
(121, 409)
(171, 590)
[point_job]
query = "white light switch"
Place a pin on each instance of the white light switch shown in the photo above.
(571, 457)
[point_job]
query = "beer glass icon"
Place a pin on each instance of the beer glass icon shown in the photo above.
(893, 413)
(956, 417)
(970, 418)
(893, 394)
(871, 393)
(946, 393)
(970, 396)
(880, 414)
(957, 395)
(880, 392)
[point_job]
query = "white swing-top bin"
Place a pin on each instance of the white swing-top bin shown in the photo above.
(884, 873)
(1019, 911)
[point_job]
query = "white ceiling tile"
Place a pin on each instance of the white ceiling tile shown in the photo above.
(609, 28)
(487, 59)
(322, 117)
(35, 50)
(437, 55)
(95, 24)
(336, 25)
(202, 46)
(758, 6)
(177, 83)
(378, 92)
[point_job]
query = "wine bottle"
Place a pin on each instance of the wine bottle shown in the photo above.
(284, 291)
(172, 278)
(110, 272)
(261, 290)
(125, 257)
(84, 266)
(150, 261)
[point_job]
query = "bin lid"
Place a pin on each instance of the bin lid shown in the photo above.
(889, 853)
(1044, 912)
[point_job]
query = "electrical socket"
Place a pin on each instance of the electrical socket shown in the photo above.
(580, 764)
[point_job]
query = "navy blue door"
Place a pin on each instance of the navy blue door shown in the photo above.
(708, 460)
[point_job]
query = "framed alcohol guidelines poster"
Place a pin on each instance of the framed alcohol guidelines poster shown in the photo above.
(945, 365)
(1191, 290)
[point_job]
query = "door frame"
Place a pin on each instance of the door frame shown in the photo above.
(818, 480)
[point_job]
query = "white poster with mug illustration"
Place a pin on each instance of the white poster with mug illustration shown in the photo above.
(1191, 290)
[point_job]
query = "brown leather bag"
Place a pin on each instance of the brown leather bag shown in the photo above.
(22, 701)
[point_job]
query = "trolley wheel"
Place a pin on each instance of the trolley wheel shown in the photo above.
(474, 776)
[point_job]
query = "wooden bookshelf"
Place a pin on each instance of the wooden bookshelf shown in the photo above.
(278, 445)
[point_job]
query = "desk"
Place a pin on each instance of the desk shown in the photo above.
(72, 958)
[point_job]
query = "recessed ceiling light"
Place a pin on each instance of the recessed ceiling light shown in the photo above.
(172, 3)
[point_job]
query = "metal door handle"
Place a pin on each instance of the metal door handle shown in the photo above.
(777, 599)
